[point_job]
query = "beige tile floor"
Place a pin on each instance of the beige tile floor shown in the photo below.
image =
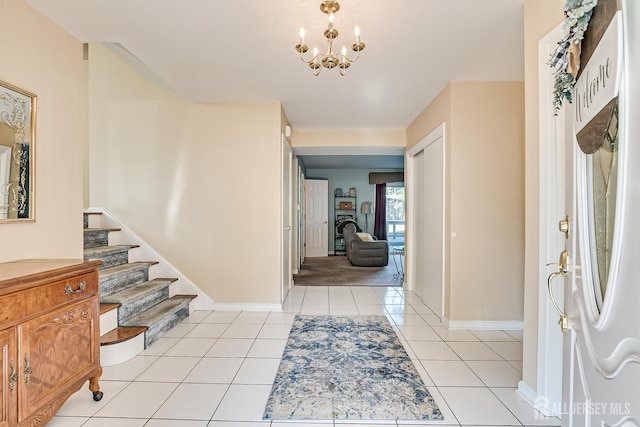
(215, 369)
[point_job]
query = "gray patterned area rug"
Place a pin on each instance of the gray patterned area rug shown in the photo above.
(347, 367)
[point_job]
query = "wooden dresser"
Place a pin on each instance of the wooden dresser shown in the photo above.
(49, 337)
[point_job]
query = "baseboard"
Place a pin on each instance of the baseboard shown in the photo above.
(539, 403)
(484, 325)
(239, 306)
(526, 393)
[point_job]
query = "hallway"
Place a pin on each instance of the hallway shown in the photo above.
(216, 368)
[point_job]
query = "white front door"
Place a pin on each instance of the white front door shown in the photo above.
(287, 227)
(601, 370)
(317, 217)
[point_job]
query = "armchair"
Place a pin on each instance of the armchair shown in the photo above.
(365, 253)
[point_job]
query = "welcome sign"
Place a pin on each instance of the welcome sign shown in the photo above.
(596, 90)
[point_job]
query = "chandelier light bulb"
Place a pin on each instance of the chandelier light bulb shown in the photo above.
(302, 35)
(315, 51)
(344, 53)
(357, 31)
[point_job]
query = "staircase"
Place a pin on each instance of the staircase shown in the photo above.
(135, 310)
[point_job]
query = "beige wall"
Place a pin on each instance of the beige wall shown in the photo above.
(487, 201)
(438, 111)
(39, 57)
(195, 181)
(349, 138)
(484, 202)
(540, 17)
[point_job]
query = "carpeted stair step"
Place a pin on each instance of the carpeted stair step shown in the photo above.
(94, 237)
(86, 216)
(110, 255)
(120, 277)
(139, 298)
(160, 318)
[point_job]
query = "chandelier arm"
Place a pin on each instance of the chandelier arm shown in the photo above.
(313, 58)
(347, 59)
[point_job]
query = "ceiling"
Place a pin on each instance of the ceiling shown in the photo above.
(215, 51)
(351, 157)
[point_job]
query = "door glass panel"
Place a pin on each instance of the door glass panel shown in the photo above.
(604, 181)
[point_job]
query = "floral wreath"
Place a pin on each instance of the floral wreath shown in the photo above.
(565, 60)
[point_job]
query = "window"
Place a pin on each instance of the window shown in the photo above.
(395, 214)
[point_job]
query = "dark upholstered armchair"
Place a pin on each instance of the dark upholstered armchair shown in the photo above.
(364, 252)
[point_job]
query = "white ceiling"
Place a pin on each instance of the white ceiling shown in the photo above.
(216, 51)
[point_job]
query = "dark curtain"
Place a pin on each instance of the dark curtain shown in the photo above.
(380, 224)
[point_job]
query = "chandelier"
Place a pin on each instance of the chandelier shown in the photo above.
(330, 59)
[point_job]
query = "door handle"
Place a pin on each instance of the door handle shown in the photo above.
(563, 271)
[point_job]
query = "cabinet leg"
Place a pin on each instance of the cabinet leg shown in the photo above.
(94, 386)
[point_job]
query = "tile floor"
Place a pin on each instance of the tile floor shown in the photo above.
(216, 368)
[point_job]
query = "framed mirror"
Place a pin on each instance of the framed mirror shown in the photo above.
(17, 153)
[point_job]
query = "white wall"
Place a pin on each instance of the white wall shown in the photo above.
(41, 58)
(193, 180)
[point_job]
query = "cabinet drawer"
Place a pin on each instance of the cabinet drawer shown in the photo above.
(14, 307)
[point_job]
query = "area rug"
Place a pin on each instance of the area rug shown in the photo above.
(338, 271)
(347, 367)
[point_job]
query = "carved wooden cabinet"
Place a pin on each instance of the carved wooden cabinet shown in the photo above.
(49, 337)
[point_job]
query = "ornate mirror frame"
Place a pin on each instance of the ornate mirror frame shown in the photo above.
(17, 154)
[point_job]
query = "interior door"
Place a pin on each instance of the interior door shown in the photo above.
(317, 217)
(433, 295)
(287, 227)
(425, 244)
(600, 317)
(301, 234)
(419, 268)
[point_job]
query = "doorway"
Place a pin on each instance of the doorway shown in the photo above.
(287, 225)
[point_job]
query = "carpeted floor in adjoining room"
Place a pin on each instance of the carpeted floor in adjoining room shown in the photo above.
(338, 271)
